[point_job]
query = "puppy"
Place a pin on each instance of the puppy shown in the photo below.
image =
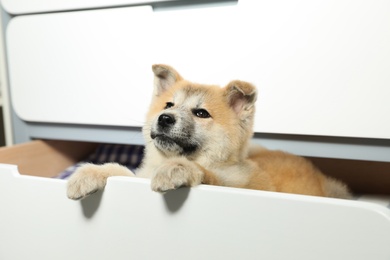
(201, 134)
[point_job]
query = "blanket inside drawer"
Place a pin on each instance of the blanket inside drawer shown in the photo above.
(126, 155)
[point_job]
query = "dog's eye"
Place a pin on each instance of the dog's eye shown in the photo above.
(168, 105)
(202, 113)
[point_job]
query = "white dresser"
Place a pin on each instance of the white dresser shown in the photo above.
(81, 69)
(78, 72)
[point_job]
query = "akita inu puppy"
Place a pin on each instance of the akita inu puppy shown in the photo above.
(201, 134)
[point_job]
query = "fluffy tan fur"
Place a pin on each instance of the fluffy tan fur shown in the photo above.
(221, 154)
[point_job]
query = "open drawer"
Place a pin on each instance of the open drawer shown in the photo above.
(128, 220)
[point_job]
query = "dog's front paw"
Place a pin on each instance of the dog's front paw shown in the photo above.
(176, 173)
(89, 178)
(86, 180)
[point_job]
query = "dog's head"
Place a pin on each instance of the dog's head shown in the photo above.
(199, 121)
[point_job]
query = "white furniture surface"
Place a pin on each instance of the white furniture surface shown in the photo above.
(128, 220)
(81, 70)
(321, 66)
(4, 91)
(17, 7)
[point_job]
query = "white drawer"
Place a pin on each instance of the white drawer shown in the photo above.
(321, 66)
(16, 7)
(129, 221)
(37, 219)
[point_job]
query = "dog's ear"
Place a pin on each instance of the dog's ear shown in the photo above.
(241, 97)
(164, 77)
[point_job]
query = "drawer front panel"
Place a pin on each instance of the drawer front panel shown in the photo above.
(321, 67)
(39, 6)
(129, 221)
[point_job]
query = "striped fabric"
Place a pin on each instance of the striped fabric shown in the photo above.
(126, 155)
(131, 157)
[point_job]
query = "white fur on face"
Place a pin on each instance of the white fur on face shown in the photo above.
(199, 139)
(182, 137)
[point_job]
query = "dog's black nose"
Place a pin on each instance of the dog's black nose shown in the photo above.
(166, 120)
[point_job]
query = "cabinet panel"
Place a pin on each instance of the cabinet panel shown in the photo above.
(17, 7)
(321, 67)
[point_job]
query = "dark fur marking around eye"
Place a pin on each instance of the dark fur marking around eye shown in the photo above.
(168, 105)
(201, 113)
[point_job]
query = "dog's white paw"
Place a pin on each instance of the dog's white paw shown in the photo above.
(86, 180)
(176, 173)
(89, 178)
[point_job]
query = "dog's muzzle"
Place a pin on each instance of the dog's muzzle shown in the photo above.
(170, 138)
